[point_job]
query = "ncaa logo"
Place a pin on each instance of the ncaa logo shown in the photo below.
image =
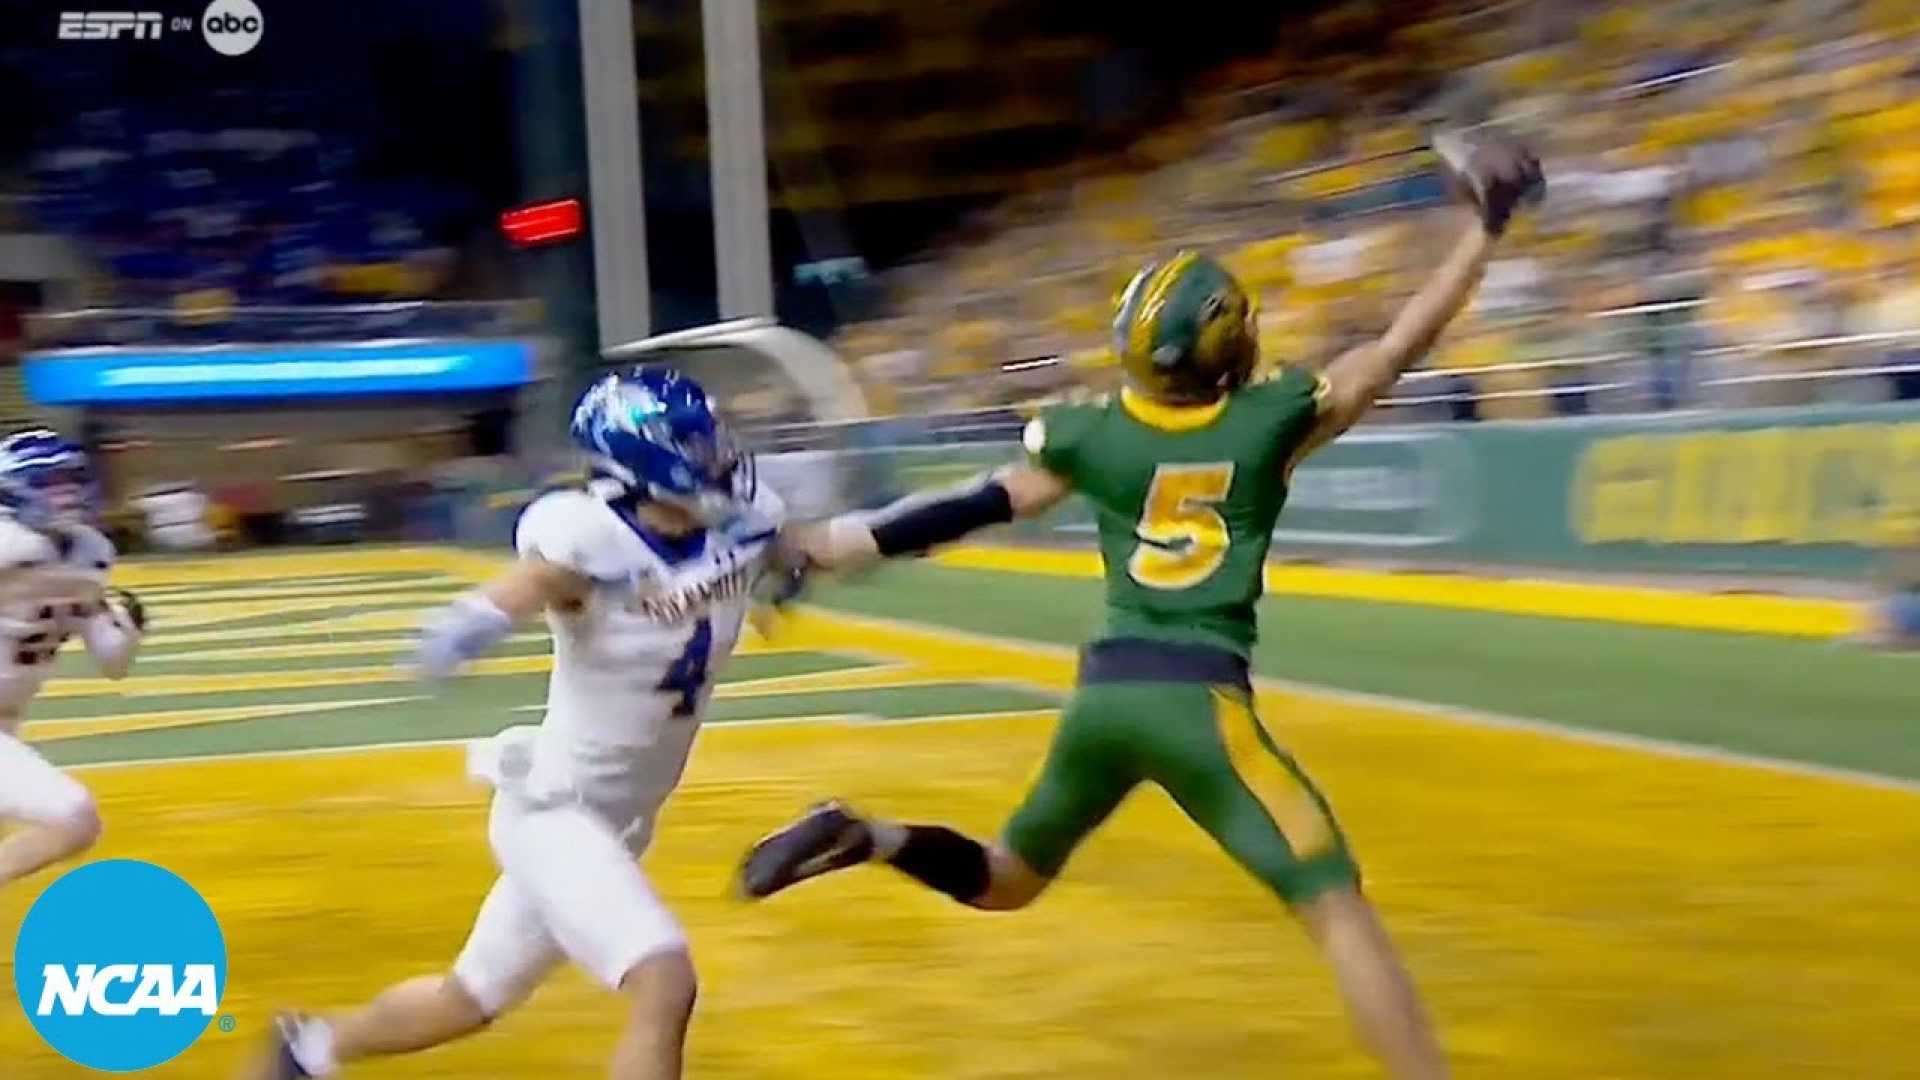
(233, 27)
(120, 965)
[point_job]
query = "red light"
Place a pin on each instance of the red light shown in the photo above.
(542, 223)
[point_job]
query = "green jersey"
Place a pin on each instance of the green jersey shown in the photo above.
(1185, 499)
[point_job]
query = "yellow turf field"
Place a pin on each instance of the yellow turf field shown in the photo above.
(1573, 910)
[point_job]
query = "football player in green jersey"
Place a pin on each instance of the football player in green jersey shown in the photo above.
(1187, 471)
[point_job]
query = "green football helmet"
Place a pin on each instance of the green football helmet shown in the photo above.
(1184, 329)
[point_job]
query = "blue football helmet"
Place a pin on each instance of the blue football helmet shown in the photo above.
(652, 433)
(46, 482)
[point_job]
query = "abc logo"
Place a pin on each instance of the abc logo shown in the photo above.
(120, 965)
(233, 27)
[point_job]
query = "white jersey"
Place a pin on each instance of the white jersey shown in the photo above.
(46, 582)
(633, 668)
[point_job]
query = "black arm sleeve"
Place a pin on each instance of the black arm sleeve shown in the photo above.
(919, 522)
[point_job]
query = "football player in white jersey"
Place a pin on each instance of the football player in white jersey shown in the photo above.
(644, 578)
(53, 585)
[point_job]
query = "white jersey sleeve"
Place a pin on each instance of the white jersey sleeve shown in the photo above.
(763, 516)
(49, 585)
(90, 551)
(52, 568)
(574, 530)
(23, 548)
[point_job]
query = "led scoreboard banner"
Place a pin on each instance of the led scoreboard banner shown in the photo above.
(109, 376)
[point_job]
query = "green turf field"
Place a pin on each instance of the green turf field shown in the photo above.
(239, 645)
(1803, 700)
(1541, 886)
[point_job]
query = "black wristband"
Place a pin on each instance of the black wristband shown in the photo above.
(921, 523)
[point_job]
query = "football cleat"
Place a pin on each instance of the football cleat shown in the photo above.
(829, 837)
(277, 1061)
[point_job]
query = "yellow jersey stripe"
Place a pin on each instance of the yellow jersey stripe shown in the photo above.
(1287, 801)
(1166, 417)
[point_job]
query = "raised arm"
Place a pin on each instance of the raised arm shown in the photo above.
(922, 521)
(1495, 178)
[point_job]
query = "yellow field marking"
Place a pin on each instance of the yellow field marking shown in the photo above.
(251, 566)
(967, 657)
(1780, 615)
(364, 590)
(943, 718)
(74, 728)
(1541, 890)
(299, 650)
(152, 588)
(1540, 887)
(940, 655)
(192, 614)
(361, 623)
(882, 677)
(879, 677)
(221, 683)
(140, 685)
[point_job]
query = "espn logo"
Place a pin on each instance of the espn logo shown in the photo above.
(152, 988)
(110, 25)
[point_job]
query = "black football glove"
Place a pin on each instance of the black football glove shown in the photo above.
(135, 610)
(1496, 174)
(785, 580)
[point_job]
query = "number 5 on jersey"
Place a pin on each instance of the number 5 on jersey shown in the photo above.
(1183, 539)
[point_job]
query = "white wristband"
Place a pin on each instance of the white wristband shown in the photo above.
(466, 628)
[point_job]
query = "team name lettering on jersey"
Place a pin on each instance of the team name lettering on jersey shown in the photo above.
(679, 604)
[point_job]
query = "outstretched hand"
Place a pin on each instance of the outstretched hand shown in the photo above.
(1497, 175)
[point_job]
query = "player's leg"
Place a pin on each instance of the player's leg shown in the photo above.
(576, 871)
(53, 816)
(660, 991)
(1084, 777)
(1215, 758)
(1378, 991)
(506, 956)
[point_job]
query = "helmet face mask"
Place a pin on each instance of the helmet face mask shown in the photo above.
(1185, 330)
(652, 434)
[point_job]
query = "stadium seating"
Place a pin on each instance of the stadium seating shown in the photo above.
(229, 197)
(1727, 178)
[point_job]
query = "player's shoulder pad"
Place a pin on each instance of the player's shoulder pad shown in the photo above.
(1056, 423)
(567, 528)
(90, 549)
(1291, 382)
(21, 546)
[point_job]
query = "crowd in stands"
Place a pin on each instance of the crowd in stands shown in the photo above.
(179, 192)
(1733, 186)
(258, 207)
(225, 321)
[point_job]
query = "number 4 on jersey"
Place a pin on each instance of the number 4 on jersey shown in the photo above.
(687, 676)
(1183, 539)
